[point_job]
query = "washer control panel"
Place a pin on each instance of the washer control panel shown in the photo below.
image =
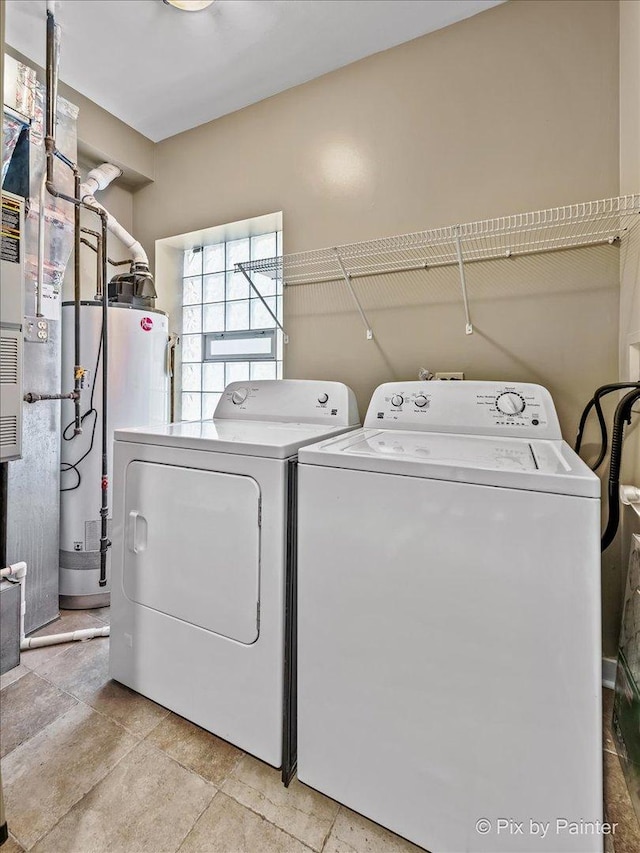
(479, 408)
(289, 400)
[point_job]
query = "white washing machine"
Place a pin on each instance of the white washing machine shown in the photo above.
(449, 661)
(203, 561)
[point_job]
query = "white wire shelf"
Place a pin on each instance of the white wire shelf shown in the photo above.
(586, 224)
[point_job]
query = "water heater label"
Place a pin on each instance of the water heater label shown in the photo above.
(147, 324)
(10, 230)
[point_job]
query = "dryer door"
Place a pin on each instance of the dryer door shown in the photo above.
(192, 546)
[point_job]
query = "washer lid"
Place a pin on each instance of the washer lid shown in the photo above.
(223, 435)
(534, 465)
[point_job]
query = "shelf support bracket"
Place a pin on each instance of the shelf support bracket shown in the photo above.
(285, 336)
(347, 279)
(463, 283)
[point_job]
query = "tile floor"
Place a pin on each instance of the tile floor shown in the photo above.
(90, 766)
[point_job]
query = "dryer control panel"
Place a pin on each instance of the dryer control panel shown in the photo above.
(479, 408)
(289, 400)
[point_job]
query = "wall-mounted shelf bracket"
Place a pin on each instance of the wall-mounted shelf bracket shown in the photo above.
(285, 336)
(347, 279)
(463, 283)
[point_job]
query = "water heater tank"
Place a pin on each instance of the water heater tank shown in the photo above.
(138, 391)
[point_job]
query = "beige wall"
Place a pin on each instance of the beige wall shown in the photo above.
(630, 181)
(630, 267)
(629, 95)
(514, 109)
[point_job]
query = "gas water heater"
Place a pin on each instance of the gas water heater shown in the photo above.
(138, 384)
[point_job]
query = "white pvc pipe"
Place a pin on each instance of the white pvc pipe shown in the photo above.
(68, 637)
(18, 571)
(98, 179)
(630, 496)
(15, 570)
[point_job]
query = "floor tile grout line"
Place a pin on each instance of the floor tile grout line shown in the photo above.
(193, 825)
(141, 738)
(180, 764)
(333, 823)
(138, 737)
(78, 701)
(259, 814)
(185, 766)
(82, 797)
(266, 819)
(98, 711)
(64, 648)
(15, 840)
(15, 680)
(262, 794)
(54, 720)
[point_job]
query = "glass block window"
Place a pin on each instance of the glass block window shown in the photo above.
(217, 299)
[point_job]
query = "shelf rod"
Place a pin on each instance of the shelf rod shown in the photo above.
(285, 336)
(463, 283)
(347, 279)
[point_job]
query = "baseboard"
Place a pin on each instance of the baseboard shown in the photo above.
(609, 673)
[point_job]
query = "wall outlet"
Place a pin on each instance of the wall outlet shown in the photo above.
(449, 375)
(36, 330)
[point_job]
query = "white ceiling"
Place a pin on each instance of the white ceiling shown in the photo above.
(163, 71)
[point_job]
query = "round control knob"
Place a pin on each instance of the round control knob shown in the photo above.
(510, 403)
(239, 396)
(421, 401)
(323, 398)
(397, 400)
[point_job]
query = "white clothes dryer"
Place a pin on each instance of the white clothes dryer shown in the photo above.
(202, 613)
(449, 654)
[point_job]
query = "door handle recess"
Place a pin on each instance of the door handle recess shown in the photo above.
(137, 532)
